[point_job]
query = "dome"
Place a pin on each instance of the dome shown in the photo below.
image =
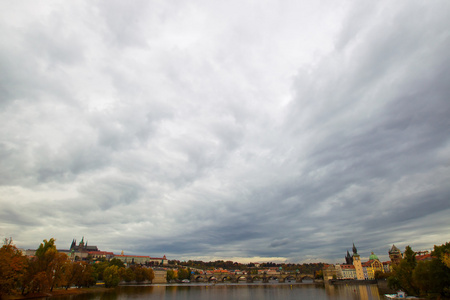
(373, 257)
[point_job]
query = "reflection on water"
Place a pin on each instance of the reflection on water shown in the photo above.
(234, 291)
(362, 292)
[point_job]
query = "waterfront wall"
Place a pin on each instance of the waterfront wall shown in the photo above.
(160, 276)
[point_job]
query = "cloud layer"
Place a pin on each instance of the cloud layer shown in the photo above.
(245, 131)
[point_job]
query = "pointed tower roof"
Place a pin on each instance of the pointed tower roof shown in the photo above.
(394, 250)
(355, 251)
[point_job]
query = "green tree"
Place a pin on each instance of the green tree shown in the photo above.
(184, 274)
(433, 277)
(116, 262)
(170, 276)
(12, 268)
(424, 279)
(100, 268)
(402, 277)
(111, 276)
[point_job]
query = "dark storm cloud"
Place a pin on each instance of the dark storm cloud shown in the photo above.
(382, 118)
(157, 128)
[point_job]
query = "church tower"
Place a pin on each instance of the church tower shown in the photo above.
(348, 259)
(357, 264)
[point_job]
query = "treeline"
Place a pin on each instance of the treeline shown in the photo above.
(49, 269)
(230, 265)
(429, 278)
(178, 275)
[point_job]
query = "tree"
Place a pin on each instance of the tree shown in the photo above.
(12, 268)
(319, 274)
(443, 253)
(116, 262)
(403, 273)
(127, 274)
(58, 266)
(111, 276)
(433, 277)
(41, 268)
(139, 273)
(382, 275)
(83, 274)
(184, 274)
(170, 275)
(46, 256)
(100, 268)
(150, 274)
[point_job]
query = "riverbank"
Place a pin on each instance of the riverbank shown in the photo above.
(58, 292)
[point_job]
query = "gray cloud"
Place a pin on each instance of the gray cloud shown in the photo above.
(205, 131)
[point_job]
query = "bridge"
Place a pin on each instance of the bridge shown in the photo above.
(249, 278)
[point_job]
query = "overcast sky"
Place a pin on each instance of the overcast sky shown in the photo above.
(241, 130)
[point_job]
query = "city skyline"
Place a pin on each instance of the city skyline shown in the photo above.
(237, 130)
(383, 256)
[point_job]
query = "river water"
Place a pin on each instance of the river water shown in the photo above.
(234, 291)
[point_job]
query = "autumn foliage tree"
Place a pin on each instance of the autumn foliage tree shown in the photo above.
(12, 268)
(46, 269)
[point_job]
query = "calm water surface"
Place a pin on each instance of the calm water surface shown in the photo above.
(234, 291)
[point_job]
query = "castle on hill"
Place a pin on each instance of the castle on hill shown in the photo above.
(84, 252)
(81, 246)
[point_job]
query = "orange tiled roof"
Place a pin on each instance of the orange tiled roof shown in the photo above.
(347, 266)
(423, 257)
(367, 263)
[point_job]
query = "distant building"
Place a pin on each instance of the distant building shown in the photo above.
(142, 260)
(354, 268)
(387, 266)
(423, 256)
(100, 255)
(330, 272)
(395, 255)
(82, 251)
(372, 266)
(348, 271)
(357, 263)
(348, 259)
(82, 247)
